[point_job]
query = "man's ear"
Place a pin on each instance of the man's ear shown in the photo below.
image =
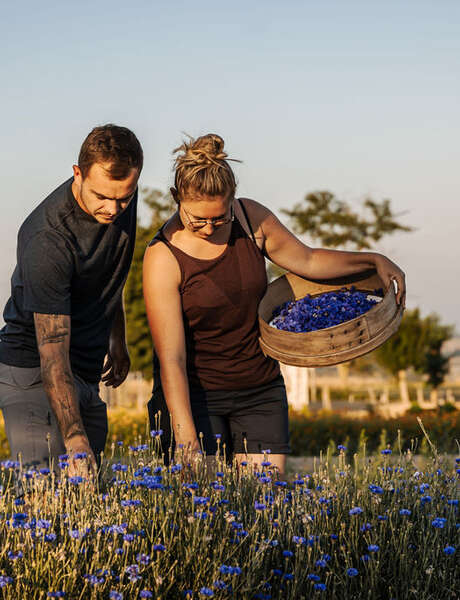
(77, 174)
(174, 194)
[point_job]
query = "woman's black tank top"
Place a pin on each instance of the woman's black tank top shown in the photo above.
(220, 298)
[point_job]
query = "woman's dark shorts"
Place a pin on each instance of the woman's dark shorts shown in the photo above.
(250, 420)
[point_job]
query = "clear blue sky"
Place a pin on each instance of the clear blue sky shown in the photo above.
(360, 98)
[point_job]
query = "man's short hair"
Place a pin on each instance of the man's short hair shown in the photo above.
(116, 146)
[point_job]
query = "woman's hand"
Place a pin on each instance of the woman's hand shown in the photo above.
(389, 272)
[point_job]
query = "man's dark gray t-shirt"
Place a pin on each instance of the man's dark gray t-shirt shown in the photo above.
(68, 264)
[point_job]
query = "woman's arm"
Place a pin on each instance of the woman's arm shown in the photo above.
(283, 248)
(162, 278)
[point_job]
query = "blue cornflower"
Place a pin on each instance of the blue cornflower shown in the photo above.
(142, 558)
(218, 436)
(453, 502)
(114, 595)
(321, 587)
(365, 557)
(259, 506)
(341, 447)
(355, 511)
(366, 527)
(58, 594)
(159, 547)
(386, 451)
(439, 522)
(5, 580)
(229, 570)
(80, 455)
(44, 471)
(375, 489)
(156, 433)
(50, 537)
(449, 550)
(94, 579)
(288, 576)
(352, 572)
(15, 555)
(76, 480)
(149, 594)
(405, 512)
(133, 572)
(373, 548)
(19, 501)
(287, 553)
(9, 464)
(20, 517)
(201, 500)
(321, 563)
(425, 499)
(205, 591)
(278, 572)
(313, 577)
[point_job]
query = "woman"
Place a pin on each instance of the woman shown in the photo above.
(204, 276)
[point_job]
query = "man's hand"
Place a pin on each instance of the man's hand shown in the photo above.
(81, 458)
(116, 367)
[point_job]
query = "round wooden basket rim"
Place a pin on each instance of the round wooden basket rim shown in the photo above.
(361, 349)
(389, 291)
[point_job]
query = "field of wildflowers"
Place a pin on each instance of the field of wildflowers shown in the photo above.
(365, 527)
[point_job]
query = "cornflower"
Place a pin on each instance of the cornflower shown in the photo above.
(355, 511)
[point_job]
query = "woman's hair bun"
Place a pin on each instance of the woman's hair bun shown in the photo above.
(204, 150)
(202, 163)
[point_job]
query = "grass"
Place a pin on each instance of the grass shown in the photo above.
(354, 527)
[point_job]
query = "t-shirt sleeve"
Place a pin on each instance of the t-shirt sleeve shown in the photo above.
(47, 268)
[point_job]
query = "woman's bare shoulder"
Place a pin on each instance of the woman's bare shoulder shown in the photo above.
(160, 264)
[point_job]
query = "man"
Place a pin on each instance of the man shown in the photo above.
(65, 313)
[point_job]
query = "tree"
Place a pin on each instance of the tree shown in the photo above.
(333, 223)
(403, 350)
(434, 364)
(416, 344)
(137, 330)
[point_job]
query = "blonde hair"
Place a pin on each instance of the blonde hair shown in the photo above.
(202, 166)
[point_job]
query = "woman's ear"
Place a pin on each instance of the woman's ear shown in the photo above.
(174, 194)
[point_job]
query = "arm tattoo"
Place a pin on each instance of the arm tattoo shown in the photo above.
(53, 340)
(51, 329)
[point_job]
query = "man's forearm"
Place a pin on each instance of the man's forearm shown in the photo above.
(118, 331)
(53, 335)
(59, 386)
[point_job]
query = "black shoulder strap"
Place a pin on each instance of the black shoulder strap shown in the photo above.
(247, 220)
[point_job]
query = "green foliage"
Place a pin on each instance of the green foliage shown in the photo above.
(417, 344)
(333, 223)
(311, 434)
(137, 329)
